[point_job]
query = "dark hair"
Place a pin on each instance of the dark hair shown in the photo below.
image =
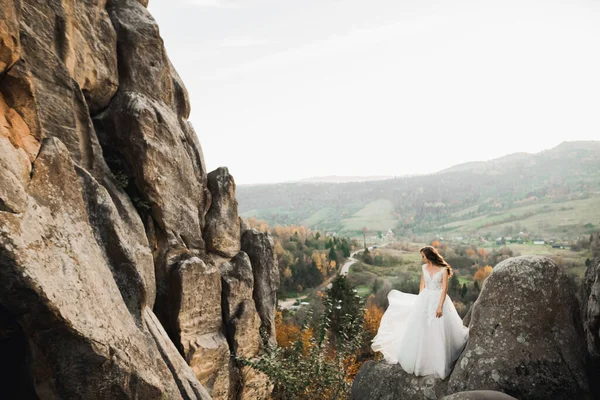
(436, 258)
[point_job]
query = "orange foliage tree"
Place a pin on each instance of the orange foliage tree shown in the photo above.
(482, 253)
(286, 333)
(371, 321)
(482, 273)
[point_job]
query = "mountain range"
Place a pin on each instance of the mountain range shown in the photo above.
(552, 192)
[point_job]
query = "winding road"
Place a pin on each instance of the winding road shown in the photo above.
(288, 303)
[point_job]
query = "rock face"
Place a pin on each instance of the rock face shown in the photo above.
(222, 232)
(590, 313)
(109, 290)
(525, 341)
(260, 249)
(243, 324)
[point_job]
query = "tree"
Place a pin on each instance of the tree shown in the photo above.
(315, 366)
(344, 309)
(332, 254)
(482, 253)
(364, 231)
(463, 291)
(482, 273)
(454, 284)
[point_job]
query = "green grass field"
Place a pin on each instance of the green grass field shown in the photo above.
(377, 215)
(574, 261)
(318, 217)
(542, 216)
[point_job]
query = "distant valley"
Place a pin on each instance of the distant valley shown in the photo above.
(553, 193)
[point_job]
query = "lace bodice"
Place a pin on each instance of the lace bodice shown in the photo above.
(432, 281)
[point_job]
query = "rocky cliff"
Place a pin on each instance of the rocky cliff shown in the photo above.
(122, 266)
(526, 340)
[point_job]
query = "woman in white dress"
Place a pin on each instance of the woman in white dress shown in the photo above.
(423, 333)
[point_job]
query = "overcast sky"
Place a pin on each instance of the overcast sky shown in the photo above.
(284, 90)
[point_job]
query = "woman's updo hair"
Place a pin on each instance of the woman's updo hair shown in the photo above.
(436, 259)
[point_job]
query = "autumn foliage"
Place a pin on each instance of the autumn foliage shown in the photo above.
(482, 273)
(305, 258)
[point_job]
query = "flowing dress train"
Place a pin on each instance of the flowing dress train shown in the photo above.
(411, 335)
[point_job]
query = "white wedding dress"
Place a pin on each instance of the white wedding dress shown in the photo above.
(411, 335)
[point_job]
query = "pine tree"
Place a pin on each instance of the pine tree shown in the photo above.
(454, 284)
(332, 255)
(344, 309)
(463, 291)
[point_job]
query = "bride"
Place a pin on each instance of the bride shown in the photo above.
(423, 333)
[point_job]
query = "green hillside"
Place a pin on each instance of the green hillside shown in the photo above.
(553, 193)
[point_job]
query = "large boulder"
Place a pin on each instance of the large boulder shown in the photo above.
(383, 381)
(525, 335)
(260, 248)
(478, 395)
(222, 231)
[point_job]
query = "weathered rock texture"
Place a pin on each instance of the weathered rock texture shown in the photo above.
(109, 289)
(525, 340)
(590, 313)
(243, 323)
(479, 395)
(380, 380)
(525, 334)
(260, 249)
(222, 232)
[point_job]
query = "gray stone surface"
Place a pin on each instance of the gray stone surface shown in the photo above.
(525, 335)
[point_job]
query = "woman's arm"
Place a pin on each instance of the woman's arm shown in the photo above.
(422, 284)
(438, 312)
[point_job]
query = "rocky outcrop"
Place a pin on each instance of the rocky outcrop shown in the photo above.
(590, 313)
(260, 249)
(525, 334)
(195, 293)
(380, 380)
(243, 323)
(222, 232)
(525, 340)
(109, 290)
(9, 34)
(479, 395)
(84, 314)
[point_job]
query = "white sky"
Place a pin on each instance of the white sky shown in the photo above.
(284, 90)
